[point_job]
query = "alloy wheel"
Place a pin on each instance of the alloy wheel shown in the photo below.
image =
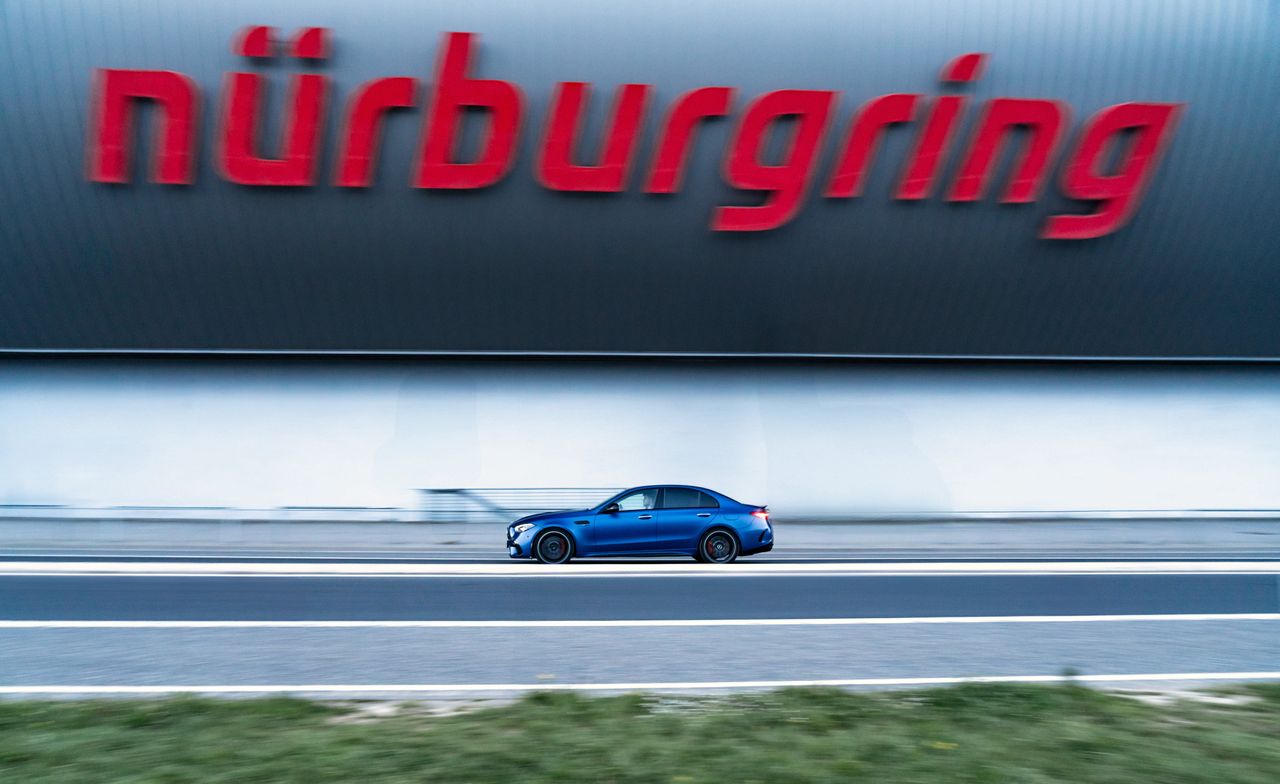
(719, 547)
(554, 548)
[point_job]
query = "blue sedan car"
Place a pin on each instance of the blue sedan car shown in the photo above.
(654, 520)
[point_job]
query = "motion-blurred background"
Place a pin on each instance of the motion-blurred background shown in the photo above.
(811, 439)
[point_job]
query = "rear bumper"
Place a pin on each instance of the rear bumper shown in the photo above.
(764, 548)
(763, 545)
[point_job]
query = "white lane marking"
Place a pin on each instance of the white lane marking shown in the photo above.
(645, 623)
(169, 569)
(252, 557)
(333, 688)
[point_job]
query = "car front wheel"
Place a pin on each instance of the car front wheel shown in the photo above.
(553, 547)
(718, 547)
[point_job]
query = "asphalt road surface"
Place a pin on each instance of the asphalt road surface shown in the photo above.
(97, 626)
(700, 596)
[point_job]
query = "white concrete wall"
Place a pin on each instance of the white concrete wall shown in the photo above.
(806, 438)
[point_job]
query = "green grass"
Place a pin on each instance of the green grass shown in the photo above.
(979, 733)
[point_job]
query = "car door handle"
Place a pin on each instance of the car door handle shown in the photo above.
(704, 514)
(646, 517)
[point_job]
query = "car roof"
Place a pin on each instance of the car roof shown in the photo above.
(683, 487)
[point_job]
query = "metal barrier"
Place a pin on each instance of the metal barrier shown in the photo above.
(142, 513)
(503, 504)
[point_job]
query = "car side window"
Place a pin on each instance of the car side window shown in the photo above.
(639, 500)
(707, 501)
(681, 498)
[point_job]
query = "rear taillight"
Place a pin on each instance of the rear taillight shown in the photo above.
(761, 515)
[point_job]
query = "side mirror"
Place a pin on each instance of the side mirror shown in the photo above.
(611, 509)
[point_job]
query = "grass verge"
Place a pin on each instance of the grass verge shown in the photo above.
(974, 733)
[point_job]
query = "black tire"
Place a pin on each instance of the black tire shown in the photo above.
(718, 546)
(553, 547)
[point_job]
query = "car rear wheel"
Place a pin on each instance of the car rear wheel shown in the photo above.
(553, 547)
(718, 547)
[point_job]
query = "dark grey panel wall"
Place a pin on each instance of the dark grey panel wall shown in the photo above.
(518, 268)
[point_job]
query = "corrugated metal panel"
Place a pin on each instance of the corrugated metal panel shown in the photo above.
(518, 268)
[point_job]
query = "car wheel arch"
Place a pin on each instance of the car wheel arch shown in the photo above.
(737, 537)
(721, 527)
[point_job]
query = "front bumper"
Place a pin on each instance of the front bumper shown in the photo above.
(520, 545)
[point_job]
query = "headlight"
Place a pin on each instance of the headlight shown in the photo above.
(522, 527)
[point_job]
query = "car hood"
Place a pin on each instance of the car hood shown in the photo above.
(541, 516)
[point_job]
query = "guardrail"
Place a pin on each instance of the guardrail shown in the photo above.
(140, 513)
(491, 505)
(437, 505)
